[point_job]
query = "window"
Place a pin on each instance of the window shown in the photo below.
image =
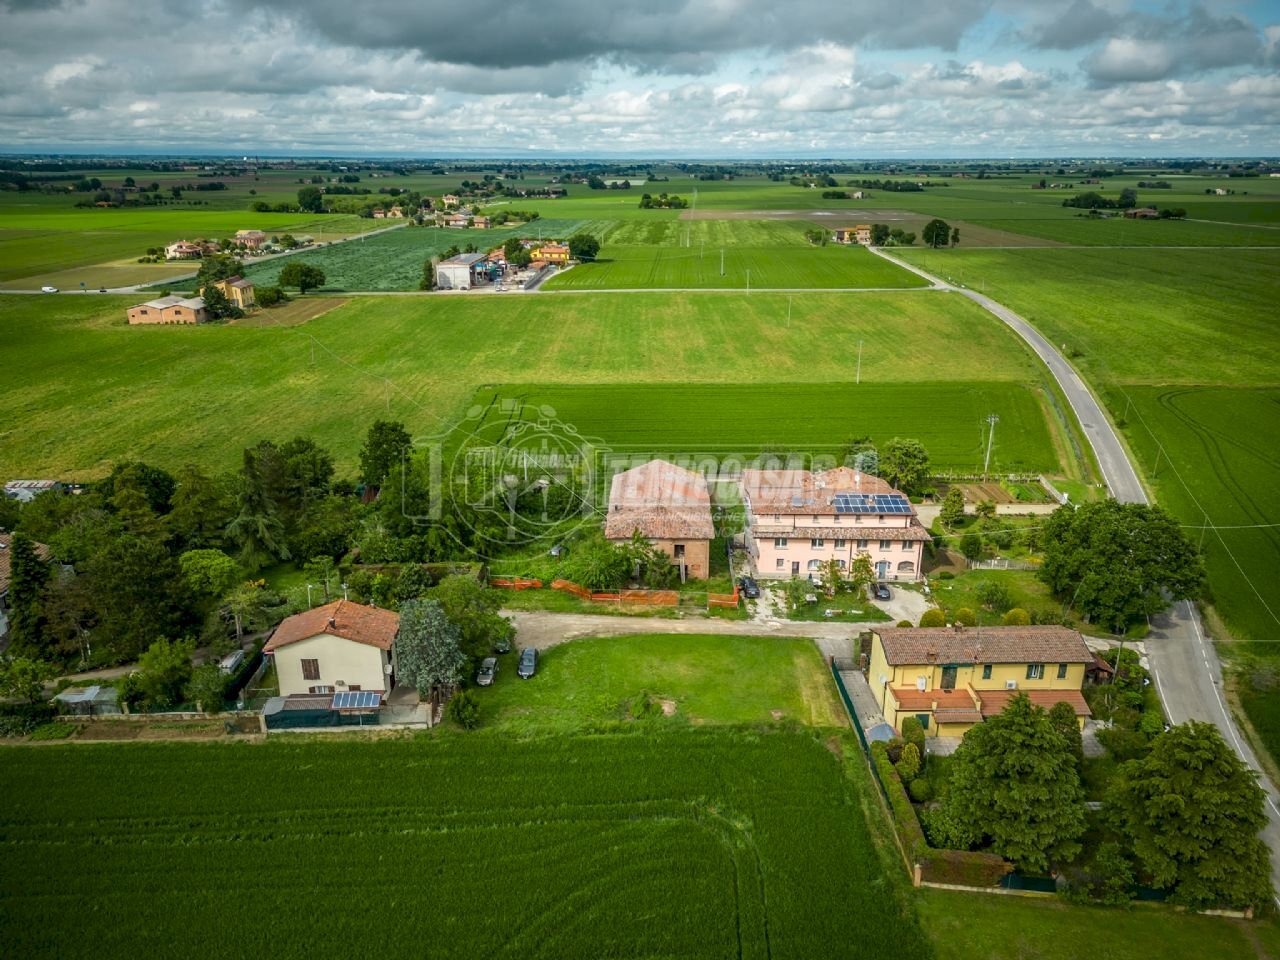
(906, 566)
(881, 518)
(320, 690)
(310, 669)
(836, 518)
(841, 562)
(886, 544)
(815, 564)
(780, 564)
(840, 544)
(780, 542)
(986, 671)
(1062, 671)
(1035, 671)
(679, 550)
(817, 542)
(777, 517)
(924, 720)
(862, 544)
(908, 544)
(355, 686)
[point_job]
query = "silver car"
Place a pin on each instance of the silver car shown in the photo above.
(488, 672)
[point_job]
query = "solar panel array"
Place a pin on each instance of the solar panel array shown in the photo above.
(878, 503)
(356, 700)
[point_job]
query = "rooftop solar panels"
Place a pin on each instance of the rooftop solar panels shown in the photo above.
(356, 700)
(894, 504)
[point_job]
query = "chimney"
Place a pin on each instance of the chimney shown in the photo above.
(932, 656)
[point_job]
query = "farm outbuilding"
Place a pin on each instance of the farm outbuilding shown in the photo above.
(461, 272)
(95, 701)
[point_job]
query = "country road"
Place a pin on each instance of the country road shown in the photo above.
(1183, 660)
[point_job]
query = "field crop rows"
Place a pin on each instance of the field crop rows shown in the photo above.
(801, 419)
(693, 843)
(85, 390)
(626, 267)
(394, 260)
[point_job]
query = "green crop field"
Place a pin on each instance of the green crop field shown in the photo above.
(622, 267)
(599, 830)
(394, 260)
(800, 419)
(84, 390)
(39, 241)
(1185, 351)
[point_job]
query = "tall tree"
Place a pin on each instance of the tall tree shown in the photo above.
(304, 276)
(386, 444)
(429, 648)
(219, 266)
(936, 233)
(257, 528)
(1192, 811)
(71, 615)
(1063, 717)
(583, 246)
(1119, 562)
(474, 611)
(137, 592)
(904, 464)
(952, 507)
(1014, 781)
(28, 573)
(201, 507)
(311, 199)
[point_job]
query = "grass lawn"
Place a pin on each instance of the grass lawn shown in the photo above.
(850, 605)
(964, 926)
(84, 389)
(707, 679)
(1026, 590)
(789, 267)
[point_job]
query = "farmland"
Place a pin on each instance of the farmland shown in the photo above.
(686, 835)
(394, 260)
(86, 390)
(802, 419)
(37, 243)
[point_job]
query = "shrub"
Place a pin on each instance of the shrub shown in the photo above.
(464, 709)
(921, 790)
(933, 618)
(1016, 617)
(905, 821)
(1124, 743)
(905, 623)
(19, 719)
(913, 732)
(995, 595)
(966, 617)
(908, 766)
(207, 687)
(946, 575)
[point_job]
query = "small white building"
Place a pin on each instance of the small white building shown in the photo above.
(460, 272)
(24, 491)
(341, 646)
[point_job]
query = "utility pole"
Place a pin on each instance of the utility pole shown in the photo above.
(858, 378)
(991, 439)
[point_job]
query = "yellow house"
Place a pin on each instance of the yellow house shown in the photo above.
(238, 291)
(954, 677)
(339, 646)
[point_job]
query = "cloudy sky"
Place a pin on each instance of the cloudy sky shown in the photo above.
(705, 78)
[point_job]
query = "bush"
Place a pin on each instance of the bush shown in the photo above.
(966, 617)
(921, 790)
(1016, 617)
(1124, 743)
(933, 618)
(905, 821)
(464, 710)
(19, 719)
(995, 595)
(946, 575)
(1108, 879)
(913, 732)
(905, 623)
(908, 766)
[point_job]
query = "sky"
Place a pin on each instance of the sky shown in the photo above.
(663, 78)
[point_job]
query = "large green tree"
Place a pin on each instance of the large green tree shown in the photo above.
(1118, 562)
(1192, 811)
(138, 594)
(1014, 782)
(200, 509)
(583, 246)
(257, 528)
(937, 233)
(904, 463)
(304, 276)
(429, 648)
(310, 199)
(386, 444)
(219, 266)
(474, 611)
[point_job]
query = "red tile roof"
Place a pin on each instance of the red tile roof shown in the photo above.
(661, 500)
(912, 645)
(803, 492)
(916, 531)
(342, 618)
(909, 698)
(993, 701)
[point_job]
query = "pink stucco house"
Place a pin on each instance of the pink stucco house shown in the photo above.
(797, 520)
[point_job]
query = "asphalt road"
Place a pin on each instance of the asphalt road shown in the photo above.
(1183, 661)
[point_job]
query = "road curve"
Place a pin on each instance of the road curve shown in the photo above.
(1183, 661)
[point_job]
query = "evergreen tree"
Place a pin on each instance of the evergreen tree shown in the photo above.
(28, 574)
(429, 648)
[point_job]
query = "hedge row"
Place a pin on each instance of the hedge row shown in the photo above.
(959, 867)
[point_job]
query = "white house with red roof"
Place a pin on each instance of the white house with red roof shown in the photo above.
(339, 647)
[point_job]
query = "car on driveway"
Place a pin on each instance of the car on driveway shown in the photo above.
(488, 672)
(48, 289)
(502, 645)
(750, 589)
(882, 592)
(528, 663)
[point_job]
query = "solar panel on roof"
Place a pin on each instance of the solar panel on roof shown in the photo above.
(879, 503)
(356, 700)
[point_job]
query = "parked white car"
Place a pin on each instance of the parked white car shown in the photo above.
(48, 289)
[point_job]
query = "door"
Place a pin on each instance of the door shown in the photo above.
(949, 678)
(795, 568)
(882, 569)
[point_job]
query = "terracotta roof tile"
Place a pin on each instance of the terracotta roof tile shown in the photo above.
(661, 500)
(993, 701)
(909, 698)
(1044, 644)
(916, 531)
(342, 618)
(804, 492)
